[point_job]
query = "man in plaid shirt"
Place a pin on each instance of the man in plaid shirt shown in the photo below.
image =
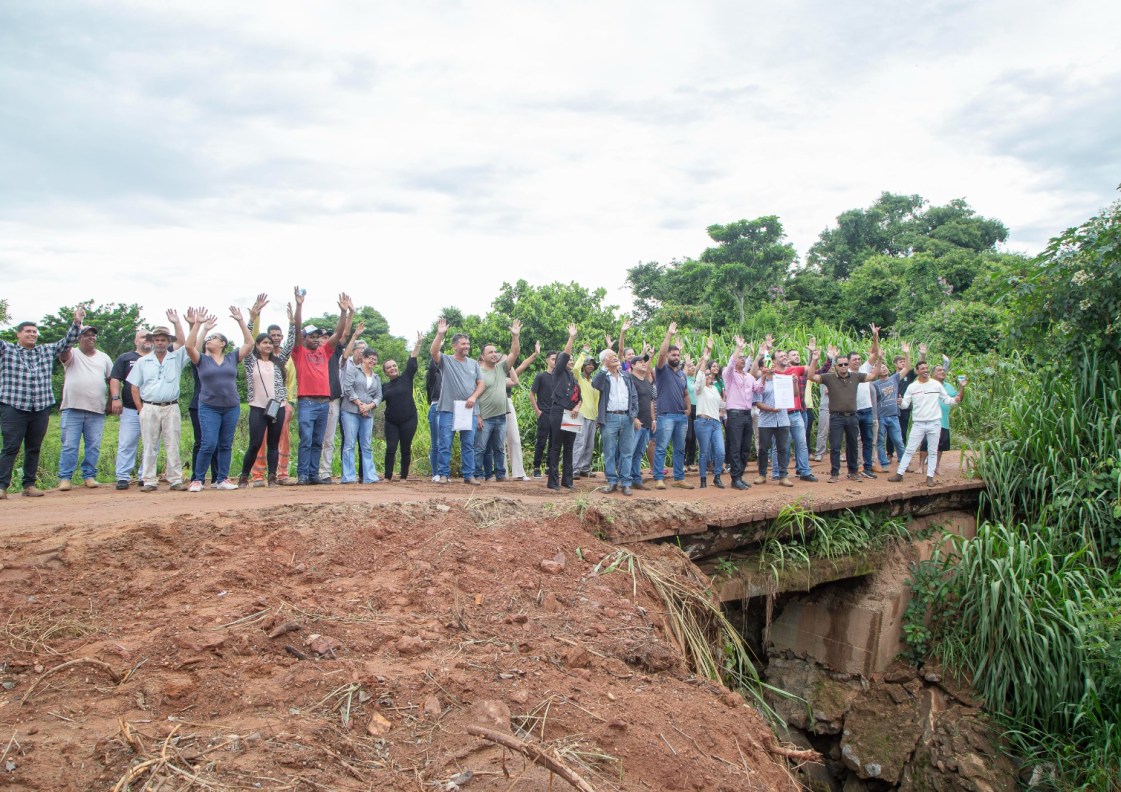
(26, 398)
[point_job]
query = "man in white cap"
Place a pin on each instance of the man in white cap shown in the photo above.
(82, 413)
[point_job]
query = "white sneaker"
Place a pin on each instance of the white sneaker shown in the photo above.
(225, 484)
(196, 486)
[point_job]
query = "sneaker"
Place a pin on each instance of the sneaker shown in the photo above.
(896, 477)
(147, 487)
(91, 483)
(258, 483)
(64, 485)
(868, 474)
(537, 474)
(242, 482)
(178, 486)
(607, 490)
(761, 480)
(856, 477)
(833, 479)
(626, 489)
(440, 479)
(817, 457)
(122, 484)
(226, 484)
(659, 484)
(740, 484)
(929, 483)
(682, 484)
(196, 486)
(638, 485)
(785, 482)
(288, 482)
(474, 482)
(34, 492)
(811, 477)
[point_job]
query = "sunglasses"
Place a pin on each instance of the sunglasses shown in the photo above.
(842, 365)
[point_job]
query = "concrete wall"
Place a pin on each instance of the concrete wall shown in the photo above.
(856, 627)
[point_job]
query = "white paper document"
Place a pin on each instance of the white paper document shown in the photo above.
(570, 424)
(464, 417)
(784, 391)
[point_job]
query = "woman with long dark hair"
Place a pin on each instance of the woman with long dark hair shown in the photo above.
(400, 412)
(264, 384)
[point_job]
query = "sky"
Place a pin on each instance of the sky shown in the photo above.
(418, 154)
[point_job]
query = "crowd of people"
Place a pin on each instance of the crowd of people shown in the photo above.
(709, 416)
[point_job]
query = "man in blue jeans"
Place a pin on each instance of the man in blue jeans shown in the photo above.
(887, 391)
(617, 419)
(490, 440)
(121, 404)
(313, 387)
(673, 412)
(797, 420)
(639, 373)
(432, 391)
(866, 420)
(82, 412)
(461, 380)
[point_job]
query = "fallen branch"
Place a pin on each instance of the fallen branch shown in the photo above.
(534, 754)
(78, 661)
(295, 652)
(796, 754)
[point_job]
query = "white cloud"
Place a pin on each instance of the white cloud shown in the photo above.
(418, 155)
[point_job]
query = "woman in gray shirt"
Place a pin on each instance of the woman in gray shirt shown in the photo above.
(361, 395)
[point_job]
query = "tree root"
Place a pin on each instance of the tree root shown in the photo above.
(78, 661)
(534, 754)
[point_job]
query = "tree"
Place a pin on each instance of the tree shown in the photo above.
(749, 259)
(116, 325)
(4, 317)
(1071, 296)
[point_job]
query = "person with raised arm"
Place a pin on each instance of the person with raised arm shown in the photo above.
(673, 412)
(710, 434)
(26, 398)
(584, 446)
(740, 387)
(400, 412)
(513, 431)
(926, 397)
(461, 380)
(268, 400)
(219, 403)
(564, 407)
(799, 374)
(312, 359)
(643, 381)
(361, 396)
(540, 396)
(490, 436)
(617, 407)
(154, 381)
(336, 366)
(886, 396)
(81, 415)
(842, 384)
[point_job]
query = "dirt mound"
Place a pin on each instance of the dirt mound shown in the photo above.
(353, 646)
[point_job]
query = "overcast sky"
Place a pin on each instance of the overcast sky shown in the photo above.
(418, 154)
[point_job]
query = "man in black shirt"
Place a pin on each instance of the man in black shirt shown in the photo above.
(121, 403)
(565, 402)
(432, 382)
(541, 396)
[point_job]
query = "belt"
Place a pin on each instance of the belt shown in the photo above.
(617, 412)
(737, 411)
(159, 404)
(315, 398)
(839, 412)
(707, 418)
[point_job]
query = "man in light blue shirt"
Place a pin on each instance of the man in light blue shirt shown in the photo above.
(155, 392)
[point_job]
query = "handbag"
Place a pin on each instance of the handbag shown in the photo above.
(274, 406)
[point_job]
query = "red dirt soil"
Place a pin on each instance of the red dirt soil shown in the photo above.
(415, 620)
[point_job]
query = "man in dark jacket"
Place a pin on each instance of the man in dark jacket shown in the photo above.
(565, 395)
(618, 420)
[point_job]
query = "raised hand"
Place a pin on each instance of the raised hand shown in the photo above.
(769, 341)
(812, 345)
(173, 315)
(291, 314)
(903, 345)
(922, 349)
(210, 323)
(672, 329)
(516, 327)
(572, 330)
(875, 330)
(441, 326)
(608, 340)
(832, 351)
(79, 314)
(299, 295)
(627, 325)
(190, 316)
(345, 303)
(359, 329)
(236, 315)
(259, 304)
(537, 347)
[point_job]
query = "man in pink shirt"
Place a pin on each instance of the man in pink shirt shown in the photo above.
(740, 387)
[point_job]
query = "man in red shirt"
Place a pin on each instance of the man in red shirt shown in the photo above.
(313, 386)
(797, 420)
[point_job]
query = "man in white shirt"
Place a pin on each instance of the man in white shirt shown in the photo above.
(82, 413)
(925, 397)
(617, 418)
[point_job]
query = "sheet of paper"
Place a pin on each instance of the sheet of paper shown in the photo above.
(570, 424)
(784, 391)
(464, 420)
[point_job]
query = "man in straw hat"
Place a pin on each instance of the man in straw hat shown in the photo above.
(154, 381)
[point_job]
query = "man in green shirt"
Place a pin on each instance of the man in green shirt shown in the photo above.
(490, 409)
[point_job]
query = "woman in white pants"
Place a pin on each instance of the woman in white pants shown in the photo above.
(925, 397)
(516, 468)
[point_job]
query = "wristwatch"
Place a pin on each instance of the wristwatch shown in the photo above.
(116, 398)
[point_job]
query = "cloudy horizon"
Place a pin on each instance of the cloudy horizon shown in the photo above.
(419, 155)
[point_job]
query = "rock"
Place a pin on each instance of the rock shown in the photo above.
(554, 566)
(960, 750)
(617, 723)
(432, 708)
(409, 645)
(828, 698)
(323, 645)
(378, 725)
(200, 642)
(519, 696)
(577, 657)
(881, 733)
(550, 604)
(491, 714)
(443, 507)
